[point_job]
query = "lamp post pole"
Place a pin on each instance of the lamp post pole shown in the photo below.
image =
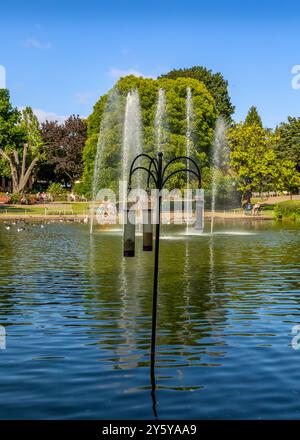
(155, 276)
(157, 173)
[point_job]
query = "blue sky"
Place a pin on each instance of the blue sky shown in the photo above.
(61, 56)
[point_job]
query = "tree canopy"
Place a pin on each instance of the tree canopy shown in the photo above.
(256, 163)
(288, 140)
(63, 149)
(175, 90)
(215, 84)
(20, 142)
(11, 134)
(253, 117)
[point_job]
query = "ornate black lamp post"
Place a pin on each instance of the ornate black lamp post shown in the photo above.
(158, 176)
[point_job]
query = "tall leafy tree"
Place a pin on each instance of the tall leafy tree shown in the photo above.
(11, 136)
(20, 142)
(253, 117)
(215, 84)
(255, 162)
(176, 92)
(63, 148)
(288, 143)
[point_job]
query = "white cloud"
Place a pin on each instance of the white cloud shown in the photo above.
(44, 116)
(118, 73)
(36, 44)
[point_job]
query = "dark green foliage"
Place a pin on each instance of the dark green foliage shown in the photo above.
(253, 117)
(288, 144)
(57, 192)
(215, 84)
(12, 134)
(205, 117)
(20, 143)
(89, 151)
(289, 209)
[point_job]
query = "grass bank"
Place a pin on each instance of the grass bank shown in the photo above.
(47, 209)
(289, 209)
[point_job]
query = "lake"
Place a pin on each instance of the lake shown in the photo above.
(77, 317)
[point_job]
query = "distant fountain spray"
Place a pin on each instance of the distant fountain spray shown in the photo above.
(133, 133)
(111, 117)
(218, 153)
(160, 121)
(189, 142)
(132, 139)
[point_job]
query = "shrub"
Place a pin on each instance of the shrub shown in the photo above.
(15, 199)
(57, 192)
(288, 209)
(80, 189)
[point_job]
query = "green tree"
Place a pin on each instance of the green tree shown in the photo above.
(20, 142)
(176, 90)
(215, 84)
(63, 149)
(253, 117)
(288, 143)
(24, 159)
(252, 157)
(288, 178)
(111, 160)
(10, 133)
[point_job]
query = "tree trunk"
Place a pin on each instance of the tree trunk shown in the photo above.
(13, 170)
(24, 179)
(19, 175)
(248, 196)
(24, 160)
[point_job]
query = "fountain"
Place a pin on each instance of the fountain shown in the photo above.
(132, 133)
(189, 145)
(160, 121)
(218, 152)
(111, 117)
(130, 138)
(132, 141)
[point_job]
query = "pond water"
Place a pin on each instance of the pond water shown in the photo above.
(78, 320)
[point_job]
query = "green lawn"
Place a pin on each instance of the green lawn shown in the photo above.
(290, 204)
(77, 208)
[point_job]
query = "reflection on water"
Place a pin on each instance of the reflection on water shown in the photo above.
(78, 323)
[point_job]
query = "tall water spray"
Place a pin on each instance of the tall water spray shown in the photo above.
(160, 121)
(110, 119)
(189, 142)
(132, 140)
(132, 133)
(218, 158)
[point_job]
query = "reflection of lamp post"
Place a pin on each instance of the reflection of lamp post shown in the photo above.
(147, 230)
(129, 233)
(158, 174)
